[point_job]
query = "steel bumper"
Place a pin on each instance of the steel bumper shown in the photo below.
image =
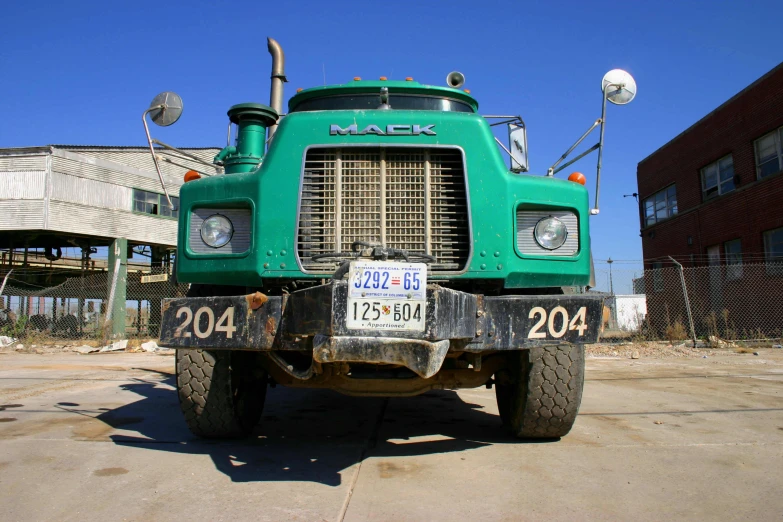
(315, 318)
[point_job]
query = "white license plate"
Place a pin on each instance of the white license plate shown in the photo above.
(384, 295)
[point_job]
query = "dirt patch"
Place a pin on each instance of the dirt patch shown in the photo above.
(389, 469)
(109, 472)
(654, 350)
(73, 367)
(82, 428)
(7, 419)
(4, 407)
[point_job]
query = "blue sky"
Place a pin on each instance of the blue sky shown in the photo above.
(82, 72)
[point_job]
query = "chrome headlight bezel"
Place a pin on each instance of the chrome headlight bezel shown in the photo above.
(227, 232)
(546, 238)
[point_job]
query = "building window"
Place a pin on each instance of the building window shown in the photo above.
(718, 178)
(773, 251)
(769, 156)
(657, 273)
(154, 203)
(733, 250)
(660, 206)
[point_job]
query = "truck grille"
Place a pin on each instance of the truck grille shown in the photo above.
(413, 199)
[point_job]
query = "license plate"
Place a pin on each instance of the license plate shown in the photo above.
(387, 296)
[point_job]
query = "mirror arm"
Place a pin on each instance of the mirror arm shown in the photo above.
(508, 152)
(169, 160)
(582, 155)
(594, 211)
(152, 151)
(551, 171)
(182, 153)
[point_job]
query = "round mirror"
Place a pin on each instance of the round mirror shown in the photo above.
(619, 86)
(165, 109)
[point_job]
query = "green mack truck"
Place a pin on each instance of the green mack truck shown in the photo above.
(373, 241)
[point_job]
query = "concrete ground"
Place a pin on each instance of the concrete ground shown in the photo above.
(100, 437)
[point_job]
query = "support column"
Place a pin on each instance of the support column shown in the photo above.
(157, 255)
(118, 280)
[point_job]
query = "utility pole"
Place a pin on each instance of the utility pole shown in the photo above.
(611, 285)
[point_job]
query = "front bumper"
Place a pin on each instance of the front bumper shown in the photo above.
(314, 320)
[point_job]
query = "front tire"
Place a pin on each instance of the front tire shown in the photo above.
(540, 390)
(221, 393)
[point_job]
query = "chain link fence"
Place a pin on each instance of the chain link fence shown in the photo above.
(729, 301)
(64, 306)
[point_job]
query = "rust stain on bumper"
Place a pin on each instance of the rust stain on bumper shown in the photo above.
(256, 300)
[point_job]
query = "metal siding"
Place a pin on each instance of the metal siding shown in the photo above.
(22, 185)
(90, 192)
(22, 163)
(526, 223)
(21, 215)
(240, 241)
(86, 170)
(82, 219)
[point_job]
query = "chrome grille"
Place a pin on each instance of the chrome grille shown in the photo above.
(413, 199)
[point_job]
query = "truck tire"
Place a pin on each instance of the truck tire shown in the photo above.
(221, 393)
(540, 390)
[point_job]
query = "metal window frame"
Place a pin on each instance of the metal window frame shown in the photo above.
(773, 267)
(669, 209)
(657, 268)
(733, 266)
(778, 135)
(720, 192)
(381, 147)
(160, 204)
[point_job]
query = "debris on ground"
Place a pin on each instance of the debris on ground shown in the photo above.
(656, 350)
(151, 346)
(717, 342)
(6, 341)
(85, 349)
(118, 346)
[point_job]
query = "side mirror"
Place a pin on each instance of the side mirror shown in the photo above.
(517, 146)
(165, 109)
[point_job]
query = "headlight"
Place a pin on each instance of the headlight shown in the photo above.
(216, 231)
(550, 233)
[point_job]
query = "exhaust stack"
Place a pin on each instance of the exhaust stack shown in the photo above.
(278, 77)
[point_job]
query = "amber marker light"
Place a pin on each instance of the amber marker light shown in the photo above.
(383, 78)
(299, 89)
(409, 79)
(357, 78)
(466, 90)
(577, 177)
(191, 175)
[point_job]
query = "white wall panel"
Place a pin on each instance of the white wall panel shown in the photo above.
(22, 185)
(23, 163)
(90, 192)
(82, 219)
(21, 215)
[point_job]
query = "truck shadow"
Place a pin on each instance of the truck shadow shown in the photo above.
(310, 435)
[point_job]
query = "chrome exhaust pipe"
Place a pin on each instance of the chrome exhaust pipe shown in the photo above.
(278, 77)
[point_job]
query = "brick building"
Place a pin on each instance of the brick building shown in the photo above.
(713, 197)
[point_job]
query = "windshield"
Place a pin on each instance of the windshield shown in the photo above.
(372, 101)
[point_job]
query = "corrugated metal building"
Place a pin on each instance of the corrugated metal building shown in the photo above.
(100, 193)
